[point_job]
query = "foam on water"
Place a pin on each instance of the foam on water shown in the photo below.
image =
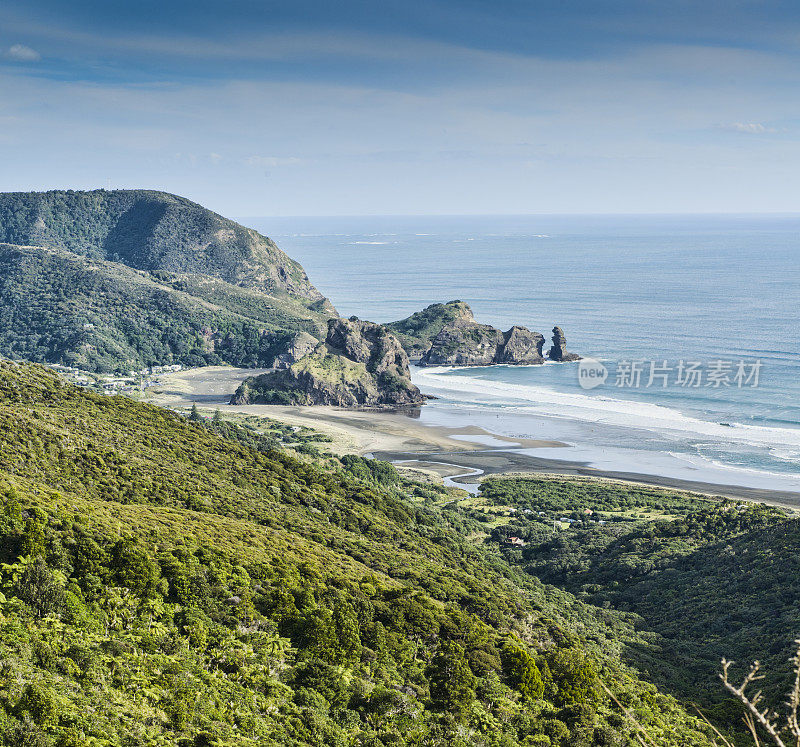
(621, 287)
(599, 409)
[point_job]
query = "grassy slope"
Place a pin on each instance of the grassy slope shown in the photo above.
(261, 599)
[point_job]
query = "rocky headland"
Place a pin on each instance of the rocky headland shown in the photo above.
(126, 280)
(469, 343)
(360, 364)
(448, 335)
(417, 332)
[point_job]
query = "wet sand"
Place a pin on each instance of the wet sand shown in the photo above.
(507, 463)
(432, 450)
(360, 431)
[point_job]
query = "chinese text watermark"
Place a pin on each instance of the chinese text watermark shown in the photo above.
(660, 374)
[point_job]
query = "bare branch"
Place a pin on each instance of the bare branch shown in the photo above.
(727, 742)
(767, 720)
(750, 724)
(794, 697)
(642, 736)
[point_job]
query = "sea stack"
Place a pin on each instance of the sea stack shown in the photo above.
(521, 346)
(559, 350)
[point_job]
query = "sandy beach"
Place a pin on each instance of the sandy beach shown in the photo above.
(434, 451)
(359, 431)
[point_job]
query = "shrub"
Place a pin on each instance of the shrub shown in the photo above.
(39, 703)
(39, 588)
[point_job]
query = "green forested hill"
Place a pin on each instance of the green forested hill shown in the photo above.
(123, 279)
(710, 579)
(56, 306)
(180, 583)
(152, 231)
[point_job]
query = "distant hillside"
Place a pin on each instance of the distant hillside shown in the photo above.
(125, 279)
(56, 306)
(182, 583)
(706, 580)
(152, 231)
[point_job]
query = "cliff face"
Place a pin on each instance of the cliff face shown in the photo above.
(464, 343)
(522, 346)
(360, 364)
(293, 348)
(467, 343)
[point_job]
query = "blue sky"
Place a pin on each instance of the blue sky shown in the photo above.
(349, 108)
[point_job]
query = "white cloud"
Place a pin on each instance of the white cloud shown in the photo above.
(751, 128)
(372, 148)
(21, 53)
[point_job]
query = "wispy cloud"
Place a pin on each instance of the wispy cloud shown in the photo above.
(22, 53)
(750, 128)
(356, 122)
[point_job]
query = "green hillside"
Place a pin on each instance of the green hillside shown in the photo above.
(118, 280)
(58, 307)
(173, 582)
(152, 231)
(708, 579)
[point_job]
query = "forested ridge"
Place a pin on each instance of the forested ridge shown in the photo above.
(111, 281)
(174, 582)
(152, 231)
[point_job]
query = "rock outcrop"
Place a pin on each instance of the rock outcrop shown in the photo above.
(558, 352)
(293, 348)
(360, 364)
(464, 342)
(446, 334)
(521, 346)
(417, 331)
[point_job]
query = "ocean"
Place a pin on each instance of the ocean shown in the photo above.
(634, 293)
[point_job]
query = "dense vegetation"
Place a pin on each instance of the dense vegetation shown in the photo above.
(96, 316)
(418, 330)
(176, 582)
(709, 579)
(151, 231)
(110, 281)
